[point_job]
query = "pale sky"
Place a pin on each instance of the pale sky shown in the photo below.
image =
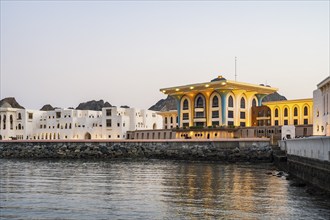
(63, 53)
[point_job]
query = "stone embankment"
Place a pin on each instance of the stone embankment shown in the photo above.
(230, 151)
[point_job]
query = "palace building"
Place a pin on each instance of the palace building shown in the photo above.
(321, 96)
(220, 102)
(72, 124)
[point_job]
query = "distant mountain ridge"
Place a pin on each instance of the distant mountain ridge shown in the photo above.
(170, 103)
(93, 105)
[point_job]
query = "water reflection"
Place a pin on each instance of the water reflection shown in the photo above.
(150, 189)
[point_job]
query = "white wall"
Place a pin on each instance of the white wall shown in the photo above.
(312, 147)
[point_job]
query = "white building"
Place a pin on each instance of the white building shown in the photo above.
(321, 111)
(59, 124)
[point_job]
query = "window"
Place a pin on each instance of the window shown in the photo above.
(58, 115)
(286, 112)
(215, 114)
(285, 122)
(199, 102)
(295, 111)
(215, 101)
(306, 121)
(30, 115)
(108, 112)
(242, 124)
(185, 105)
(231, 123)
(199, 115)
(295, 121)
(242, 102)
(215, 123)
(185, 116)
(276, 112)
(185, 125)
(305, 111)
(165, 120)
(118, 124)
(230, 114)
(171, 120)
(254, 103)
(242, 115)
(19, 116)
(230, 101)
(108, 122)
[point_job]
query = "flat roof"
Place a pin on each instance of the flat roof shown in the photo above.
(288, 101)
(323, 82)
(221, 84)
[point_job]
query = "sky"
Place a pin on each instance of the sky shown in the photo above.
(67, 52)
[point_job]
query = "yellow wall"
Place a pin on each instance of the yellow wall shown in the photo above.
(290, 105)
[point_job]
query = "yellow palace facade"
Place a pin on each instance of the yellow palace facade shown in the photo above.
(220, 102)
(291, 112)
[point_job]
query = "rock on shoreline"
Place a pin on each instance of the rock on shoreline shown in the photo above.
(154, 150)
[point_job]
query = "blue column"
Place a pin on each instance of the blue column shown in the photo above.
(223, 106)
(178, 104)
(260, 98)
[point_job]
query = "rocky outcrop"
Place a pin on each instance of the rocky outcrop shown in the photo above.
(274, 97)
(47, 107)
(216, 151)
(165, 105)
(93, 105)
(11, 101)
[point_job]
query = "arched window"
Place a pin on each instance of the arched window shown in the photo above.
(58, 126)
(242, 102)
(11, 121)
(66, 126)
(230, 101)
(171, 120)
(276, 112)
(295, 111)
(286, 112)
(19, 116)
(71, 126)
(185, 104)
(4, 122)
(19, 126)
(199, 102)
(305, 111)
(254, 103)
(215, 101)
(165, 120)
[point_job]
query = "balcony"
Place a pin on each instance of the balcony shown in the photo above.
(199, 109)
(199, 119)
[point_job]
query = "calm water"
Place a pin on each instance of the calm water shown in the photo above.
(150, 189)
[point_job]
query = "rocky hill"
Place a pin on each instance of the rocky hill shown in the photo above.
(165, 105)
(274, 97)
(11, 101)
(47, 107)
(93, 105)
(170, 103)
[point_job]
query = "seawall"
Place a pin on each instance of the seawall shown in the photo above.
(309, 160)
(256, 150)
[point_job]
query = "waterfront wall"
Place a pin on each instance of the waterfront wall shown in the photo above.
(231, 150)
(312, 147)
(308, 159)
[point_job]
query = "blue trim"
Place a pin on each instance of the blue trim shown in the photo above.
(223, 106)
(260, 98)
(178, 103)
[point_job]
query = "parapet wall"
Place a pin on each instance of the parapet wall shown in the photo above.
(308, 159)
(313, 147)
(231, 151)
